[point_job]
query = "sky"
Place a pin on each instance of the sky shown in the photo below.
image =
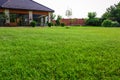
(80, 8)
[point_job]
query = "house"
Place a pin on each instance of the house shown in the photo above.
(22, 12)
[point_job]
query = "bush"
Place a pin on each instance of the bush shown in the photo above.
(107, 23)
(50, 24)
(93, 22)
(57, 23)
(33, 23)
(115, 24)
(62, 24)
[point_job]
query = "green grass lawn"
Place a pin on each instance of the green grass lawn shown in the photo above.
(78, 53)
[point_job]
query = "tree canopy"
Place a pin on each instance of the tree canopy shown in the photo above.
(92, 15)
(92, 19)
(113, 13)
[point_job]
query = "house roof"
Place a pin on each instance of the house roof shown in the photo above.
(24, 4)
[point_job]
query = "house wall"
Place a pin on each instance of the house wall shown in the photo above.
(44, 15)
(41, 13)
(1, 10)
(27, 12)
(18, 11)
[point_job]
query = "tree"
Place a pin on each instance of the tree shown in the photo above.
(53, 16)
(58, 20)
(92, 15)
(92, 20)
(113, 13)
(107, 23)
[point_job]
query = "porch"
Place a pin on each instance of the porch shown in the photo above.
(10, 17)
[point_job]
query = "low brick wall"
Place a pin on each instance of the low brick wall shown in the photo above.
(73, 22)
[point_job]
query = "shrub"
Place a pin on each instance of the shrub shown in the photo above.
(107, 23)
(50, 24)
(58, 20)
(33, 23)
(93, 22)
(115, 24)
(57, 23)
(62, 24)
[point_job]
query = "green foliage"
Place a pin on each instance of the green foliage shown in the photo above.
(113, 13)
(62, 24)
(50, 24)
(92, 15)
(107, 23)
(53, 16)
(33, 23)
(77, 53)
(58, 20)
(110, 23)
(105, 15)
(93, 22)
(115, 24)
(59, 17)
